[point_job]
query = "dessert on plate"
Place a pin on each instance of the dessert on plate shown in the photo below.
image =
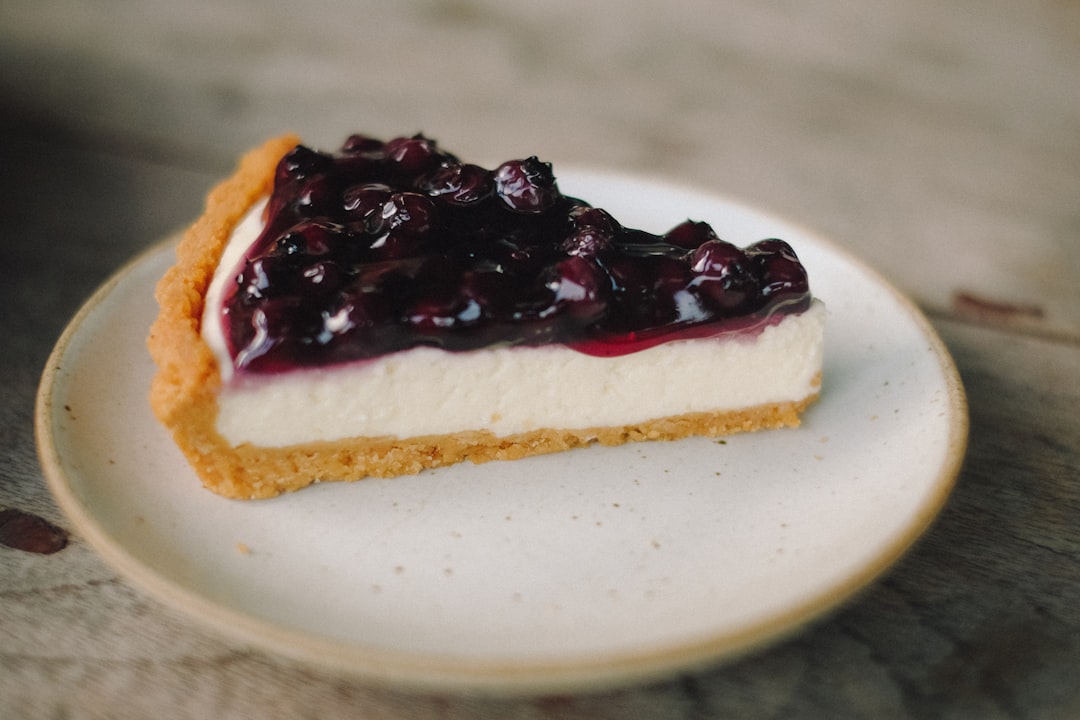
(386, 308)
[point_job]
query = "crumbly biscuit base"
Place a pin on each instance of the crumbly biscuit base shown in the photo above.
(254, 472)
(183, 393)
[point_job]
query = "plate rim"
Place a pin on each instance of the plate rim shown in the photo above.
(494, 676)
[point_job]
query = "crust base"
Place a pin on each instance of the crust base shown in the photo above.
(183, 394)
(256, 472)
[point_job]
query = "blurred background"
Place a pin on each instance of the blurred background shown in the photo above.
(917, 133)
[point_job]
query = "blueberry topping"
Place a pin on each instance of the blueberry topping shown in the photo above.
(725, 277)
(408, 213)
(380, 247)
(264, 277)
(312, 238)
(358, 144)
(459, 184)
(363, 206)
(526, 186)
(690, 234)
(411, 154)
(585, 216)
(301, 164)
(781, 272)
(581, 287)
(321, 279)
(589, 242)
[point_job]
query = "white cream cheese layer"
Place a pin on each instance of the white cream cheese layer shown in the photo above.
(427, 391)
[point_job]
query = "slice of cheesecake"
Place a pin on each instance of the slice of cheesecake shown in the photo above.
(387, 308)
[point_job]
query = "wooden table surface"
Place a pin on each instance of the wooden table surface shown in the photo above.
(940, 142)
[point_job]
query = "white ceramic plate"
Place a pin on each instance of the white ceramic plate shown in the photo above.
(593, 567)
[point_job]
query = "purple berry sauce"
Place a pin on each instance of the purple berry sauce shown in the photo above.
(381, 247)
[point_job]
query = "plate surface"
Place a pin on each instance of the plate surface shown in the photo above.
(592, 567)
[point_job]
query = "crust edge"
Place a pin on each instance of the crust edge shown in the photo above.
(182, 391)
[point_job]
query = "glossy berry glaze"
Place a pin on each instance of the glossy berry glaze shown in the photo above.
(381, 247)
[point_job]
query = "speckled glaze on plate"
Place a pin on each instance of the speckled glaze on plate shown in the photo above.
(583, 569)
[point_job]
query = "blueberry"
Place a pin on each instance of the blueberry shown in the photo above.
(358, 144)
(408, 213)
(671, 278)
(265, 277)
(526, 186)
(363, 206)
(300, 164)
(310, 238)
(586, 216)
(588, 242)
(780, 270)
(580, 286)
(690, 234)
(772, 246)
(724, 276)
(318, 196)
(459, 184)
(412, 155)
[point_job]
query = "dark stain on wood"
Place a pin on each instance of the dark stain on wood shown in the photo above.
(30, 533)
(972, 305)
